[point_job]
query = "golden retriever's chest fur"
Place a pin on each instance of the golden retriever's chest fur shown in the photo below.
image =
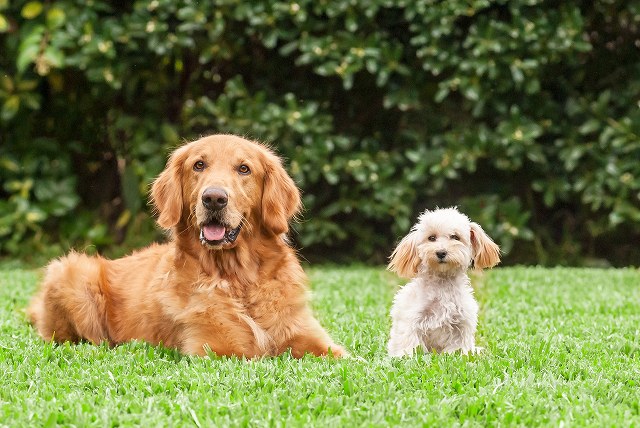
(250, 312)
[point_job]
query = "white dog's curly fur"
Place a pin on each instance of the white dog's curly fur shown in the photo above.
(436, 309)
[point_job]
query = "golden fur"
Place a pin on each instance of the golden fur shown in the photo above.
(244, 296)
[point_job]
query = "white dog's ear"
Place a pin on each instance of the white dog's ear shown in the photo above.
(405, 259)
(486, 253)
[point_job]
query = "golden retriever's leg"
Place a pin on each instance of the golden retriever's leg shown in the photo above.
(51, 325)
(221, 328)
(200, 343)
(313, 339)
(220, 340)
(71, 304)
(284, 313)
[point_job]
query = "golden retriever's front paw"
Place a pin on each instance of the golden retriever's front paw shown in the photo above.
(338, 351)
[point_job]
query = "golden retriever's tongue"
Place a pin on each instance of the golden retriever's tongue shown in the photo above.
(213, 232)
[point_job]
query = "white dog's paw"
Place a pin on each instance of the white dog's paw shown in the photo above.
(476, 350)
(402, 352)
(473, 350)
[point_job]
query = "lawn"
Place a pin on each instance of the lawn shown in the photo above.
(562, 348)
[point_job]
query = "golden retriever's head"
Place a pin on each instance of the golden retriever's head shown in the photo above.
(221, 188)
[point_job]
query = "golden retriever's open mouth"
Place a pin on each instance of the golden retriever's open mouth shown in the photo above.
(215, 234)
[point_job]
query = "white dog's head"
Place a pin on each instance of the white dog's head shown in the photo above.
(443, 242)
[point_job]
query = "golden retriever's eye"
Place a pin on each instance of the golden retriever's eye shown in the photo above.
(432, 238)
(199, 166)
(456, 237)
(244, 170)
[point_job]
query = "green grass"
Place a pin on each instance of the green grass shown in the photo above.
(562, 348)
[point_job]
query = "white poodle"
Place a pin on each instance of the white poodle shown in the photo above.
(437, 310)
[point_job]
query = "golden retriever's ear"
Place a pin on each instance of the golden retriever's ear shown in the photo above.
(280, 197)
(166, 192)
(405, 258)
(486, 253)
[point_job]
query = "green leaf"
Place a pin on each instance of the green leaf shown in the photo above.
(4, 24)
(26, 56)
(9, 164)
(35, 215)
(54, 56)
(10, 108)
(29, 48)
(31, 10)
(27, 85)
(589, 126)
(55, 17)
(6, 84)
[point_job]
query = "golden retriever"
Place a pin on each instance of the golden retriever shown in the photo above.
(227, 281)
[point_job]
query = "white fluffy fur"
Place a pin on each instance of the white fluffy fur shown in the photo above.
(436, 309)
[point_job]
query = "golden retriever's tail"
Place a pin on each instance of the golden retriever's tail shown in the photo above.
(71, 305)
(35, 309)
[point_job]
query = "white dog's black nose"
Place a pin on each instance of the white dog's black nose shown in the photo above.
(441, 254)
(215, 198)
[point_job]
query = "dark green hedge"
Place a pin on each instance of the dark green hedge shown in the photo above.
(524, 113)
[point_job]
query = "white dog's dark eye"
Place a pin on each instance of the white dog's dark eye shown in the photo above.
(456, 237)
(199, 166)
(432, 238)
(244, 170)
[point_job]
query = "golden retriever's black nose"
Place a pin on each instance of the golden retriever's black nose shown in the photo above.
(441, 254)
(214, 198)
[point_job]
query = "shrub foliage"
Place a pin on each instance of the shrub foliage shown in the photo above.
(523, 113)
